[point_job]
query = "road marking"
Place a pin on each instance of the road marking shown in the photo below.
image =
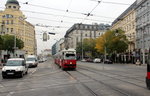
(33, 71)
(10, 93)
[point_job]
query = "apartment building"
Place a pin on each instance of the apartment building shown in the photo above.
(13, 22)
(143, 24)
(127, 22)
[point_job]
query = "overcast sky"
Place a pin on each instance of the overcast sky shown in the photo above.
(53, 13)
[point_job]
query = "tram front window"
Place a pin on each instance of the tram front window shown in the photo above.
(70, 56)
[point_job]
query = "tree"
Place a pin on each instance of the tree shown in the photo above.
(9, 43)
(113, 41)
(88, 46)
(1, 44)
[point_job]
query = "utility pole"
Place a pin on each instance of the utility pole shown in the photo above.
(143, 46)
(82, 45)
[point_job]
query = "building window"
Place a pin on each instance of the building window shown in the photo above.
(12, 21)
(14, 7)
(11, 30)
(7, 22)
(9, 6)
(85, 35)
(91, 27)
(3, 22)
(7, 30)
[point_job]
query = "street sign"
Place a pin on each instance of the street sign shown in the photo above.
(51, 33)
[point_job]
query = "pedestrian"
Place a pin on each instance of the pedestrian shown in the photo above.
(138, 62)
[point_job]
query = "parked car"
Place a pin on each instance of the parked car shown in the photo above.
(41, 60)
(108, 61)
(83, 60)
(89, 60)
(97, 60)
(32, 61)
(14, 67)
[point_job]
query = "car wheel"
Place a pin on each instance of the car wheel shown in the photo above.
(21, 75)
(4, 77)
(26, 72)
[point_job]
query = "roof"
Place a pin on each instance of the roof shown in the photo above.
(133, 6)
(12, 2)
(80, 26)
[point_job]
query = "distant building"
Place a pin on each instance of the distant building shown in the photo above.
(78, 32)
(13, 22)
(58, 46)
(47, 52)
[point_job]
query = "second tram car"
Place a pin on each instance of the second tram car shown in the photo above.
(66, 59)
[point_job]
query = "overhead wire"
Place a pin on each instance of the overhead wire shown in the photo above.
(65, 12)
(50, 8)
(72, 11)
(89, 14)
(63, 16)
(117, 3)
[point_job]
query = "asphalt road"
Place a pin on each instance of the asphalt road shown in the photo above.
(90, 79)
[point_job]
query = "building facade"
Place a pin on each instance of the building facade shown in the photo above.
(13, 22)
(143, 24)
(143, 28)
(127, 22)
(78, 32)
(58, 46)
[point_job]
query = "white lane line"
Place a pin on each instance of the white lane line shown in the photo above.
(33, 71)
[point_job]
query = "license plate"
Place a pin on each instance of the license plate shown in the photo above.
(10, 73)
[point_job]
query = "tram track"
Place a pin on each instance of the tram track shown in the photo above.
(100, 82)
(112, 77)
(135, 78)
(85, 86)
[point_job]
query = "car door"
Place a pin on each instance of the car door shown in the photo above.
(25, 68)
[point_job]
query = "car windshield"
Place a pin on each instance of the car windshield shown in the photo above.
(14, 63)
(30, 59)
(70, 56)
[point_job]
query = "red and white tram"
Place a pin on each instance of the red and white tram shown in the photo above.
(66, 59)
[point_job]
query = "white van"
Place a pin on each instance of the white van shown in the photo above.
(31, 61)
(14, 67)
